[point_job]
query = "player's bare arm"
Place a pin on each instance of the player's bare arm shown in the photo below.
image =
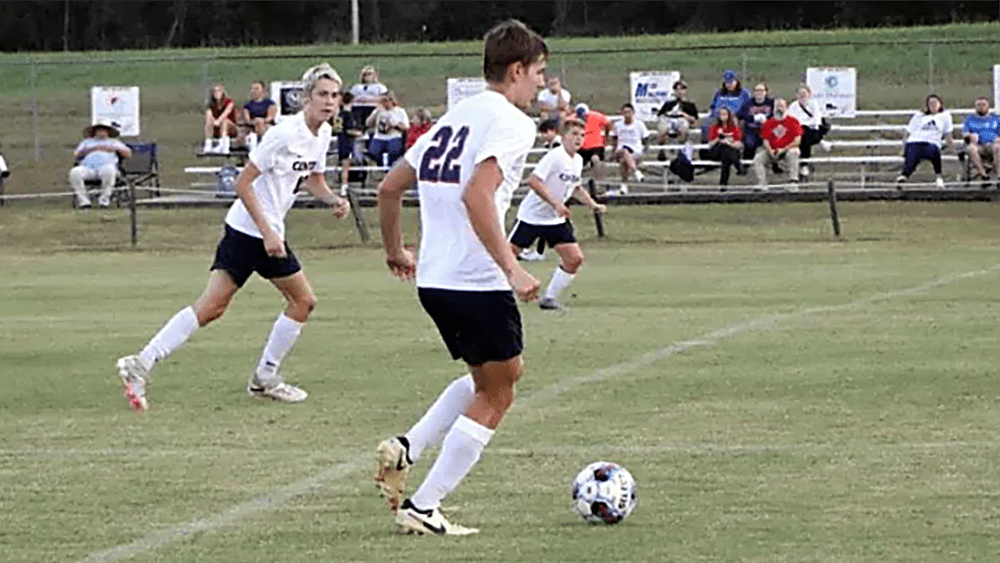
(316, 185)
(273, 244)
(390, 203)
(584, 197)
(538, 186)
(479, 200)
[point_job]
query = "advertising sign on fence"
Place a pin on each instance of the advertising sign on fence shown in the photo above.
(650, 88)
(288, 96)
(996, 86)
(835, 89)
(118, 104)
(461, 88)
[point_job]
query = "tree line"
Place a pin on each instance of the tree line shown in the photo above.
(106, 24)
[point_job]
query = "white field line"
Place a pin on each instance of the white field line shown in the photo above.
(278, 498)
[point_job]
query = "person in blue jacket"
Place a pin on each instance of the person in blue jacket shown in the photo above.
(731, 95)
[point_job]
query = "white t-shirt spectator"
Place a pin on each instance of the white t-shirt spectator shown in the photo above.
(929, 128)
(383, 120)
(478, 128)
(560, 174)
(810, 116)
(548, 101)
(630, 135)
(99, 158)
(368, 94)
(288, 153)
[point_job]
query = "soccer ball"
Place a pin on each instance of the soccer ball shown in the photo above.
(604, 493)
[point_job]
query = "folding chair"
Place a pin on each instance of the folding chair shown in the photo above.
(142, 169)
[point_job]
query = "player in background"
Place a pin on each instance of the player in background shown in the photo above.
(543, 213)
(466, 169)
(293, 153)
(548, 132)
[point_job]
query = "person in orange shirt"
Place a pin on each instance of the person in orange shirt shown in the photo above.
(598, 127)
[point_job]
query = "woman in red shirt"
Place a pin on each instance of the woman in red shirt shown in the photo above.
(725, 144)
(422, 124)
(220, 120)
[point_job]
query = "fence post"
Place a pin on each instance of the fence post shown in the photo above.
(831, 194)
(34, 111)
(930, 68)
(745, 57)
(131, 209)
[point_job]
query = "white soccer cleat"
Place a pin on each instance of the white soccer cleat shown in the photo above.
(277, 391)
(531, 255)
(390, 473)
(134, 372)
(412, 520)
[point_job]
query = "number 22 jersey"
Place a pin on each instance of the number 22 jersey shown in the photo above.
(484, 126)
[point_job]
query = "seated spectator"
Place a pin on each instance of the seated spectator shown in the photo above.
(753, 114)
(925, 133)
(809, 114)
(732, 95)
(347, 131)
(982, 133)
(553, 102)
(548, 132)
(597, 127)
(423, 124)
(367, 94)
(220, 120)
(98, 156)
(390, 123)
(725, 143)
(676, 117)
(257, 115)
(630, 135)
(781, 135)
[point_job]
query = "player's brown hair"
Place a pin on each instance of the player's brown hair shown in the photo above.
(572, 123)
(507, 43)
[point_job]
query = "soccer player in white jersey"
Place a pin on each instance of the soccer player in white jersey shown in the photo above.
(466, 168)
(543, 213)
(292, 153)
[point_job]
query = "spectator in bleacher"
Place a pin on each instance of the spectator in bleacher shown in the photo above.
(422, 124)
(781, 135)
(982, 133)
(630, 137)
(925, 132)
(347, 131)
(548, 132)
(752, 115)
(809, 114)
(257, 115)
(676, 117)
(598, 126)
(725, 143)
(390, 123)
(553, 102)
(731, 95)
(367, 94)
(220, 120)
(98, 156)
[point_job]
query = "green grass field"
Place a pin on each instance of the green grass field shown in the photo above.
(173, 89)
(780, 395)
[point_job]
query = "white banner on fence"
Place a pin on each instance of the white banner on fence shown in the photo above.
(118, 104)
(996, 87)
(462, 88)
(288, 96)
(650, 89)
(835, 89)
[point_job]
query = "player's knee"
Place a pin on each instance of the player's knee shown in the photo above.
(572, 263)
(210, 310)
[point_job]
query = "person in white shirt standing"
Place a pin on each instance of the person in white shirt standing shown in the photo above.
(543, 213)
(631, 135)
(293, 153)
(466, 169)
(98, 154)
(926, 131)
(553, 102)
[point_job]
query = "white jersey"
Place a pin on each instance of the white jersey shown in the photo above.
(484, 126)
(561, 174)
(630, 135)
(929, 128)
(287, 153)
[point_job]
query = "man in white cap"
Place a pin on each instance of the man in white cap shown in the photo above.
(98, 156)
(597, 127)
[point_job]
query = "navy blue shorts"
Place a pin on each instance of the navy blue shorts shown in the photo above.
(477, 326)
(589, 154)
(345, 147)
(241, 255)
(523, 235)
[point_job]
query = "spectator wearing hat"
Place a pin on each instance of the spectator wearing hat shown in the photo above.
(677, 116)
(598, 127)
(753, 114)
(98, 156)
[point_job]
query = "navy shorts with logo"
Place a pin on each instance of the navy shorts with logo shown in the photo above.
(241, 255)
(523, 235)
(477, 326)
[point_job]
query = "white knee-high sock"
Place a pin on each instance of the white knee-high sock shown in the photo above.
(441, 416)
(283, 336)
(460, 451)
(178, 329)
(560, 281)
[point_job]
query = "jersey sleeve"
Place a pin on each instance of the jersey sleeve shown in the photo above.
(265, 154)
(508, 141)
(544, 166)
